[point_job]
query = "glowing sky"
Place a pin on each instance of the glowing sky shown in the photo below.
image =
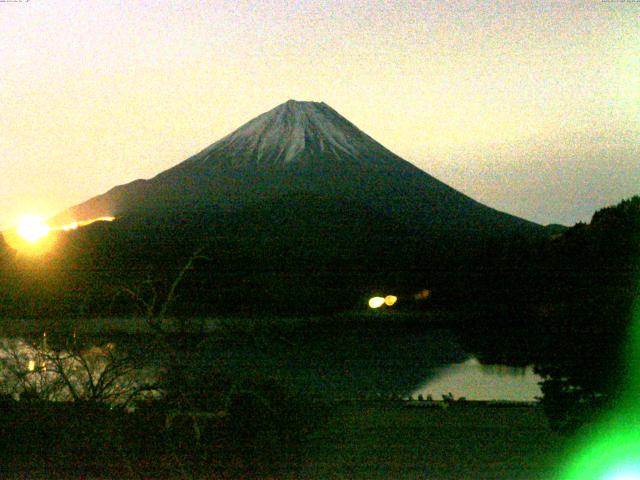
(534, 110)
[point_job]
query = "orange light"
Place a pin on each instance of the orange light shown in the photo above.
(422, 294)
(33, 235)
(390, 300)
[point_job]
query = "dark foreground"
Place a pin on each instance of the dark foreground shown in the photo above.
(460, 442)
(370, 441)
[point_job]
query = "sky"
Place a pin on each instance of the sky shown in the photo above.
(529, 107)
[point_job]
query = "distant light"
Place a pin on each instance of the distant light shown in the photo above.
(31, 365)
(422, 294)
(376, 302)
(390, 300)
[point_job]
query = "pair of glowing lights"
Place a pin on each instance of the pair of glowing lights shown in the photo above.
(377, 302)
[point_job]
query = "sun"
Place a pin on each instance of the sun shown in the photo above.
(32, 228)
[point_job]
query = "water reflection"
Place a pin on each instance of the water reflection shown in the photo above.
(475, 381)
(355, 364)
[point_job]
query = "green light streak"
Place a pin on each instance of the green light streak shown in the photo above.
(611, 450)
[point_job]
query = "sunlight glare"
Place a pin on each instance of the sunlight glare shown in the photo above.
(34, 236)
(32, 228)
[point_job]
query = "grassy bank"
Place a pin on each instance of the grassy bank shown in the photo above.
(18, 327)
(472, 442)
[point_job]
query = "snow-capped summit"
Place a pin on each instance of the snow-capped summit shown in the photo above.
(290, 132)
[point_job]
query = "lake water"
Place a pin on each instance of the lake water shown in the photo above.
(474, 381)
(354, 364)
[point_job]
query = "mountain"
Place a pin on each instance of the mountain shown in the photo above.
(297, 211)
(301, 150)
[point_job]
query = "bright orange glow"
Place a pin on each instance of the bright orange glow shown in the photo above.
(71, 226)
(390, 300)
(82, 223)
(33, 234)
(33, 228)
(376, 302)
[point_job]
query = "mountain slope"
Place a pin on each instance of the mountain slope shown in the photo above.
(301, 148)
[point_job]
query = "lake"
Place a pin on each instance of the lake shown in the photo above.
(474, 381)
(339, 360)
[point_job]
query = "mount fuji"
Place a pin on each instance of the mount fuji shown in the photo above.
(306, 151)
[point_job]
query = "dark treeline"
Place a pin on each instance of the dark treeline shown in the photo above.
(291, 256)
(565, 305)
